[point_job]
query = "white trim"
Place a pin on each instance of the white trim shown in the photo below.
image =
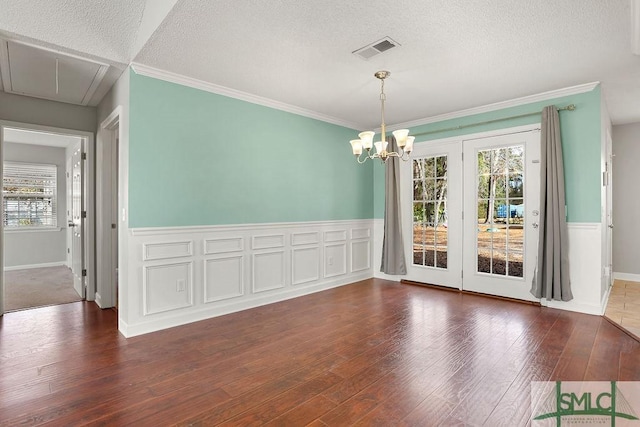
(605, 300)
(168, 76)
(631, 277)
(154, 231)
(32, 266)
(112, 119)
(32, 230)
(635, 27)
(577, 307)
(107, 283)
(558, 93)
(584, 225)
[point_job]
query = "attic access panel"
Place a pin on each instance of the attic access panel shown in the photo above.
(31, 71)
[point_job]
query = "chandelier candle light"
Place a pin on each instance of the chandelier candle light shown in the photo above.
(404, 141)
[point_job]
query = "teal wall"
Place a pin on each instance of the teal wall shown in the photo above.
(197, 158)
(580, 131)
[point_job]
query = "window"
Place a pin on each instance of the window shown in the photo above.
(29, 195)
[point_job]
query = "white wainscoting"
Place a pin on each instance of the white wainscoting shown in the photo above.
(585, 268)
(186, 274)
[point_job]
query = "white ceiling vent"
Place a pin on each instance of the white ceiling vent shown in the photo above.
(375, 48)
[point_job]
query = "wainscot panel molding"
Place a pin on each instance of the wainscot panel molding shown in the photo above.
(267, 242)
(167, 287)
(186, 274)
(223, 277)
(268, 271)
(221, 246)
(164, 250)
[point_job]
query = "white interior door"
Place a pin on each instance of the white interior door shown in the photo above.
(69, 210)
(77, 220)
(501, 202)
(433, 213)
(608, 183)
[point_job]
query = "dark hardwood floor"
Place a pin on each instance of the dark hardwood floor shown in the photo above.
(370, 353)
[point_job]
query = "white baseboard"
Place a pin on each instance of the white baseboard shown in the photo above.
(31, 266)
(605, 300)
(98, 300)
(576, 306)
(626, 276)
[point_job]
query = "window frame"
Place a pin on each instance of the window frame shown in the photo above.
(47, 171)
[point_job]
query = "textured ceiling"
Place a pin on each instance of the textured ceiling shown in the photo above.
(454, 54)
(103, 29)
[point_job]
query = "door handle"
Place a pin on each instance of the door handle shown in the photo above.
(71, 224)
(610, 225)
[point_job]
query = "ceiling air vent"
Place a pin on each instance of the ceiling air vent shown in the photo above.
(375, 48)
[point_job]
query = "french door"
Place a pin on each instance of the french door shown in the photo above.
(472, 224)
(501, 203)
(433, 220)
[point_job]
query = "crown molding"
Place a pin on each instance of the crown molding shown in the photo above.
(168, 76)
(558, 93)
(635, 27)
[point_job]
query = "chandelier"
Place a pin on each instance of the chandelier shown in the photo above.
(403, 140)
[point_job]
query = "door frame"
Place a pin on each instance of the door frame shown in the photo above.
(405, 199)
(111, 130)
(89, 199)
(607, 183)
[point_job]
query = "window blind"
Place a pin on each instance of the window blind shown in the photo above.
(29, 195)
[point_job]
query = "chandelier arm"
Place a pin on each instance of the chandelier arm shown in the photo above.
(362, 161)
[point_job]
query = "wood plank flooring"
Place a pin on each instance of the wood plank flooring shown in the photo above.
(370, 353)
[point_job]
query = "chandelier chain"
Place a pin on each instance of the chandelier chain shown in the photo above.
(383, 97)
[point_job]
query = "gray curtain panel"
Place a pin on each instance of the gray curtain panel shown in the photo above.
(551, 278)
(392, 247)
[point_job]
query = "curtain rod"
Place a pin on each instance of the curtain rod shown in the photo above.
(569, 107)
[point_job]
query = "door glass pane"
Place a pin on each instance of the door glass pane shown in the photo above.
(430, 232)
(515, 264)
(418, 190)
(418, 168)
(499, 235)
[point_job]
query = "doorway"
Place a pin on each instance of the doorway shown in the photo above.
(109, 202)
(46, 221)
(471, 211)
